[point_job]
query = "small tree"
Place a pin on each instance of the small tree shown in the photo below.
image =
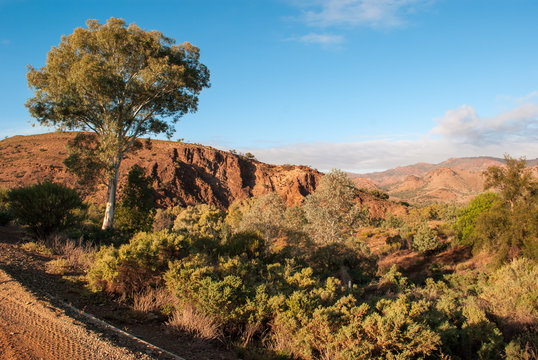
(136, 210)
(266, 216)
(513, 182)
(508, 227)
(120, 82)
(331, 211)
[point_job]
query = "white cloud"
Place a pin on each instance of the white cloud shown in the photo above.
(465, 125)
(323, 39)
(460, 133)
(369, 13)
(531, 95)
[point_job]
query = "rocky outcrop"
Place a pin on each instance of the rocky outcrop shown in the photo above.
(183, 174)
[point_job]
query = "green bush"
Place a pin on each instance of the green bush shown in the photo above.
(249, 243)
(135, 266)
(200, 221)
(511, 294)
(331, 212)
(426, 240)
(344, 329)
(350, 261)
(467, 218)
(5, 214)
(46, 207)
(136, 210)
(266, 216)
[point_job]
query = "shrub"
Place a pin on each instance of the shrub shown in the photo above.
(351, 261)
(511, 293)
(46, 207)
(266, 215)
(136, 265)
(392, 221)
(36, 248)
(217, 292)
(200, 221)
(249, 243)
(425, 240)
(5, 215)
(466, 220)
(395, 329)
(58, 266)
(136, 211)
(331, 211)
(153, 300)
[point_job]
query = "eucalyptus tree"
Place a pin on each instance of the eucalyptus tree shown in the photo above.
(119, 82)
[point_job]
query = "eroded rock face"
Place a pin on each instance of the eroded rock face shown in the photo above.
(183, 174)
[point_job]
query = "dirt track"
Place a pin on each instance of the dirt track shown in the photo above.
(33, 329)
(34, 325)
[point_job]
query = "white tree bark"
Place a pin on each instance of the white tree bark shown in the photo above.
(108, 220)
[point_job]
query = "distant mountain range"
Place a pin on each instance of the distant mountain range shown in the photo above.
(453, 180)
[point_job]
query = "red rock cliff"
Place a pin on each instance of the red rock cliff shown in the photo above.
(183, 174)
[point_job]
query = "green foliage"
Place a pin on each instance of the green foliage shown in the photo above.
(392, 221)
(513, 182)
(507, 225)
(326, 299)
(331, 211)
(119, 82)
(426, 240)
(236, 211)
(136, 209)
(200, 221)
(511, 294)
(343, 329)
(134, 266)
(467, 218)
(84, 161)
(250, 156)
(458, 317)
(351, 261)
(5, 214)
(266, 215)
(46, 207)
(248, 243)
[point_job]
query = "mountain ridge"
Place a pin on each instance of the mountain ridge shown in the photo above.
(453, 180)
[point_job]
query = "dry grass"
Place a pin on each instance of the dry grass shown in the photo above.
(58, 266)
(36, 248)
(188, 318)
(78, 255)
(152, 300)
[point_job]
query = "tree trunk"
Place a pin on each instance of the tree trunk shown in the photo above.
(108, 220)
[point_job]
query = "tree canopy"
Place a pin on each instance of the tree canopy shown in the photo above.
(120, 82)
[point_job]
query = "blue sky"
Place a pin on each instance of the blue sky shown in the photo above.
(354, 84)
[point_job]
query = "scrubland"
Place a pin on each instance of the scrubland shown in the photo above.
(323, 280)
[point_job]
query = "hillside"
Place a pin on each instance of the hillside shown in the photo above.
(453, 180)
(183, 174)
